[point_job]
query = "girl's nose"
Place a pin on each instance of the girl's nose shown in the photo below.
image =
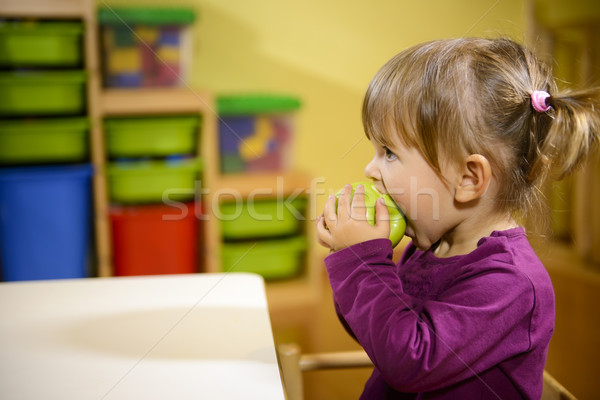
(371, 170)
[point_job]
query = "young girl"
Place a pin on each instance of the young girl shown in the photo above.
(465, 132)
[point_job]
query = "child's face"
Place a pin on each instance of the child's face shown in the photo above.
(426, 199)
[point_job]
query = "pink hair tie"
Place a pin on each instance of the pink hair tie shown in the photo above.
(538, 101)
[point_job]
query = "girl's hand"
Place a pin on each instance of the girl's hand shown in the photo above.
(348, 226)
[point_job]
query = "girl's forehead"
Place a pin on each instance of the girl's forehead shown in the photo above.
(393, 138)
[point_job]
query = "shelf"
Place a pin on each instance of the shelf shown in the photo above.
(264, 184)
(299, 294)
(44, 8)
(148, 101)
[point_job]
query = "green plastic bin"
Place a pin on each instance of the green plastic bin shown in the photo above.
(42, 92)
(40, 44)
(158, 136)
(273, 259)
(149, 181)
(261, 218)
(43, 140)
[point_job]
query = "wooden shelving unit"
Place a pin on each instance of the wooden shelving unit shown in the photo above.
(166, 101)
(155, 101)
(300, 292)
(567, 36)
(60, 9)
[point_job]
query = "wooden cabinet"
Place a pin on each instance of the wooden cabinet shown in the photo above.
(101, 103)
(153, 101)
(567, 35)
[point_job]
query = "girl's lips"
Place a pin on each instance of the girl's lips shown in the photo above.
(380, 188)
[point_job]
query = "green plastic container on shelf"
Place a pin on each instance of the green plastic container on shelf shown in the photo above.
(42, 92)
(261, 218)
(146, 15)
(40, 43)
(235, 105)
(273, 259)
(157, 136)
(149, 181)
(43, 140)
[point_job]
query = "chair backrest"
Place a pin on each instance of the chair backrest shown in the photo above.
(289, 362)
(554, 390)
(293, 363)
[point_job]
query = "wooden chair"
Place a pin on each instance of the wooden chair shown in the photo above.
(554, 390)
(293, 364)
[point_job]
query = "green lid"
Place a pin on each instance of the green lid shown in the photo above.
(38, 28)
(146, 15)
(149, 167)
(41, 77)
(256, 104)
(46, 124)
(180, 122)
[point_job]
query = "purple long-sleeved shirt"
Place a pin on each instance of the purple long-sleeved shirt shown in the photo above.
(474, 326)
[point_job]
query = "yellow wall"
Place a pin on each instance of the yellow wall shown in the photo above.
(326, 53)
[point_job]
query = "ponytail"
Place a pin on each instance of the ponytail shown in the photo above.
(572, 133)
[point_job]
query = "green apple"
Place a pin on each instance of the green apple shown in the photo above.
(397, 220)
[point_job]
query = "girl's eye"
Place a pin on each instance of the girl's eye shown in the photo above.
(389, 155)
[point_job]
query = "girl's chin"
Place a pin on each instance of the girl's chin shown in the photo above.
(418, 244)
(411, 234)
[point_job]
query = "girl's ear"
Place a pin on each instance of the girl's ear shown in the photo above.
(474, 179)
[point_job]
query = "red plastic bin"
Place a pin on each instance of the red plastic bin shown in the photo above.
(154, 239)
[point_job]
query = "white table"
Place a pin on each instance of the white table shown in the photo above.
(201, 336)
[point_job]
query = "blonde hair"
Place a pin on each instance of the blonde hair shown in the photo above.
(452, 98)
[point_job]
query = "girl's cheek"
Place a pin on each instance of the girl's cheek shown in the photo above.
(401, 201)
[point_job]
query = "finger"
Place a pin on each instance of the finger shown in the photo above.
(359, 211)
(323, 234)
(329, 214)
(344, 202)
(321, 221)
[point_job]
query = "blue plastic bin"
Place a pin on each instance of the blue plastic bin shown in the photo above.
(45, 222)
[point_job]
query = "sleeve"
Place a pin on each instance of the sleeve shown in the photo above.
(483, 319)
